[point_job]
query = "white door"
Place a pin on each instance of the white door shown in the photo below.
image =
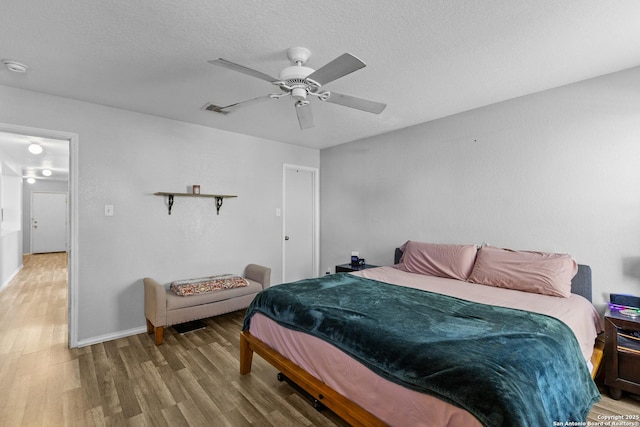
(300, 220)
(48, 222)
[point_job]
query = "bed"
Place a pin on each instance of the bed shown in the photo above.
(365, 393)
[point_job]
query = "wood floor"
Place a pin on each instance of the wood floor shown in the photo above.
(190, 380)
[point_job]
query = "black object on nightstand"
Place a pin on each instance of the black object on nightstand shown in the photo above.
(622, 353)
(348, 268)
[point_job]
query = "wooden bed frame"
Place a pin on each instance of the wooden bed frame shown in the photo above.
(342, 406)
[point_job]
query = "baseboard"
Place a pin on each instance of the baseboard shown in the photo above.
(111, 337)
(15, 273)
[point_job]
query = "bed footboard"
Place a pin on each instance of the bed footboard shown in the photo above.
(340, 405)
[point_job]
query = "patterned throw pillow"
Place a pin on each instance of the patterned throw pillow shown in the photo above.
(203, 285)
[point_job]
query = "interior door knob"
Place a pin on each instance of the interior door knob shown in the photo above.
(286, 237)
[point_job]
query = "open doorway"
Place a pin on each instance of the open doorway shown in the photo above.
(48, 172)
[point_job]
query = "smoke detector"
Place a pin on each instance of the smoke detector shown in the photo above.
(15, 66)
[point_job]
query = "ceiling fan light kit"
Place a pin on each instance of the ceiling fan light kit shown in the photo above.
(299, 81)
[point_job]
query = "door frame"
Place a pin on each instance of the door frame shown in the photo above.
(72, 217)
(315, 244)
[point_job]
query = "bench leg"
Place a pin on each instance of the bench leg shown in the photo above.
(159, 332)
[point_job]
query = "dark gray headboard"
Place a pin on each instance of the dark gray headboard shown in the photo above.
(580, 284)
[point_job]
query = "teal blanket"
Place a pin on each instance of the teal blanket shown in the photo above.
(507, 367)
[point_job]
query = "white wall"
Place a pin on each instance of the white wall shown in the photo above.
(10, 200)
(554, 171)
(10, 229)
(125, 157)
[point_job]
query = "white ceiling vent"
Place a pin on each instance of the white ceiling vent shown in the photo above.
(214, 108)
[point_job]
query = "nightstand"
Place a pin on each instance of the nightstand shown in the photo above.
(621, 353)
(348, 268)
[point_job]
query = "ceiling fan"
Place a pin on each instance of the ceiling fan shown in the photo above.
(302, 83)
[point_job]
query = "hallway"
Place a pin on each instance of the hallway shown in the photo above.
(37, 369)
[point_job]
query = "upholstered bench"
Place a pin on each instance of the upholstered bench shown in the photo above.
(163, 307)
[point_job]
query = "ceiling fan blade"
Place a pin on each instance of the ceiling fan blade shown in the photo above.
(339, 67)
(305, 117)
(242, 69)
(355, 102)
(233, 107)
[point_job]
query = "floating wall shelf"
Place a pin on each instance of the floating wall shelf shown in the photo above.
(219, 198)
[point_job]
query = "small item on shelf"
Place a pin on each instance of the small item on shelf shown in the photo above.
(630, 312)
(196, 189)
(355, 258)
(625, 300)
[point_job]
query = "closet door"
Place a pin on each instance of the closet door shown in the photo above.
(300, 241)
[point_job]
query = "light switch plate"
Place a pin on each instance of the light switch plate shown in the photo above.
(108, 210)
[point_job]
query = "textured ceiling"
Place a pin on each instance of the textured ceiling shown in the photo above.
(425, 59)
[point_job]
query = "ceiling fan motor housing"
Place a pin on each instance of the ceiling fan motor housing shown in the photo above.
(294, 78)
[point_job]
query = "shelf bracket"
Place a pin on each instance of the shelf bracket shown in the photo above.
(219, 204)
(170, 202)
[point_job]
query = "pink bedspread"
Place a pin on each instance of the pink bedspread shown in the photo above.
(577, 312)
(391, 402)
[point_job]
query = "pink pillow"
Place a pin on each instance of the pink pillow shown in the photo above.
(440, 260)
(537, 272)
